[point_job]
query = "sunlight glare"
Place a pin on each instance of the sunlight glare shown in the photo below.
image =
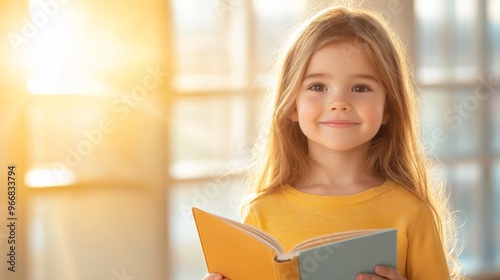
(55, 57)
(466, 10)
(52, 175)
(274, 8)
(429, 10)
(493, 9)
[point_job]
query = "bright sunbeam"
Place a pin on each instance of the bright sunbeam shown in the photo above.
(49, 175)
(54, 52)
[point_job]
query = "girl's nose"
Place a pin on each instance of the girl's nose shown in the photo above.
(342, 106)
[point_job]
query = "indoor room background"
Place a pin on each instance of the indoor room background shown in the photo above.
(118, 116)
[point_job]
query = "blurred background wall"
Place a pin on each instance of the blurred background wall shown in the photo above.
(119, 116)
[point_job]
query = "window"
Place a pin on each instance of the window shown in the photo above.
(87, 126)
(457, 63)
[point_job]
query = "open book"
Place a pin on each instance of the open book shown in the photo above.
(239, 252)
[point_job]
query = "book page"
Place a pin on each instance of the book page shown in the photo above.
(259, 234)
(330, 238)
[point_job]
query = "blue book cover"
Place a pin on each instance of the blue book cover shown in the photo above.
(347, 258)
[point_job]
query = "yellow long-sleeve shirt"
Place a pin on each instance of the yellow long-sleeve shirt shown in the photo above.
(293, 216)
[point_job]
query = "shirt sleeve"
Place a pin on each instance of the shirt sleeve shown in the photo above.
(426, 258)
(251, 219)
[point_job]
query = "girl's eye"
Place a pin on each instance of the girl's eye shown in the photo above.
(317, 87)
(360, 88)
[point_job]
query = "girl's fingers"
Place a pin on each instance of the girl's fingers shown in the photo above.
(214, 276)
(383, 272)
(388, 272)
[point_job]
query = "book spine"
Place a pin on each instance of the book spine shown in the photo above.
(288, 270)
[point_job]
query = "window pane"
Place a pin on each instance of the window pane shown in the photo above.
(452, 122)
(465, 181)
(207, 136)
(494, 36)
(218, 196)
(495, 120)
(210, 51)
(445, 49)
(496, 213)
(272, 24)
(87, 233)
(58, 147)
(90, 139)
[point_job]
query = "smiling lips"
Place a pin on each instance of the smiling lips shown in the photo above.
(339, 123)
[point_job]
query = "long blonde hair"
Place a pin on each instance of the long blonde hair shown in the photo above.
(396, 152)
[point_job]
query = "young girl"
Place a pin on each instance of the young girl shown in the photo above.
(344, 149)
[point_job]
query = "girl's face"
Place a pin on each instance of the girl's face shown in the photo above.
(340, 106)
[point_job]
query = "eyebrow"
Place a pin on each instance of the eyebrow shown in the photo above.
(366, 77)
(315, 75)
(358, 76)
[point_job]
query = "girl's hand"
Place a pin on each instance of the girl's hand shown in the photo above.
(214, 276)
(383, 272)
